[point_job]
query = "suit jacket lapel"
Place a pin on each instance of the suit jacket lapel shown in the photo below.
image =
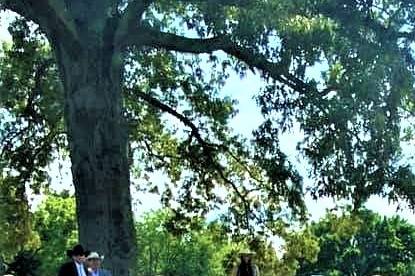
(74, 269)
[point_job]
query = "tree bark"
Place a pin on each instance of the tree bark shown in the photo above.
(98, 138)
(82, 34)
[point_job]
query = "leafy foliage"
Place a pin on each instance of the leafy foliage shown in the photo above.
(349, 86)
(16, 227)
(208, 249)
(205, 249)
(350, 116)
(198, 252)
(351, 113)
(35, 243)
(360, 243)
(364, 243)
(158, 86)
(55, 223)
(31, 103)
(25, 263)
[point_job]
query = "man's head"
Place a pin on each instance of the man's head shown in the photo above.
(77, 253)
(246, 258)
(246, 255)
(94, 260)
(79, 258)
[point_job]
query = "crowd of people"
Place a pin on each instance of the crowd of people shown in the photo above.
(83, 263)
(86, 263)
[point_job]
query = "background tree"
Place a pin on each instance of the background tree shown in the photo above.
(119, 75)
(25, 263)
(29, 131)
(208, 249)
(17, 230)
(196, 252)
(55, 223)
(364, 243)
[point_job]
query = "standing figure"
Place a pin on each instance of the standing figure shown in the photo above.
(93, 261)
(76, 266)
(246, 267)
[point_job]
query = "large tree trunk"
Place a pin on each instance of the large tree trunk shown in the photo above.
(98, 138)
(82, 34)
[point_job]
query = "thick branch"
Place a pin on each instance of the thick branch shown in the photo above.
(218, 2)
(131, 18)
(19, 7)
(49, 15)
(407, 35)
(174, 42)
(168, 41)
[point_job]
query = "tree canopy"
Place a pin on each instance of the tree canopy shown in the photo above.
(362, 244)
(135, 86)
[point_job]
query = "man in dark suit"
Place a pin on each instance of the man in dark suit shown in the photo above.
(76, 266)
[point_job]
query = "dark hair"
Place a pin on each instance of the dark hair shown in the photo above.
(245, 268)
(77, 250)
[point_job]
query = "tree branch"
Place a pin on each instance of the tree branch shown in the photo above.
(15, 6)
(186, 121)
(49, 15)
(155, 38)
(130, 19)
(208, 148)
(218, 2)
(407, 35)
(168, 41)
